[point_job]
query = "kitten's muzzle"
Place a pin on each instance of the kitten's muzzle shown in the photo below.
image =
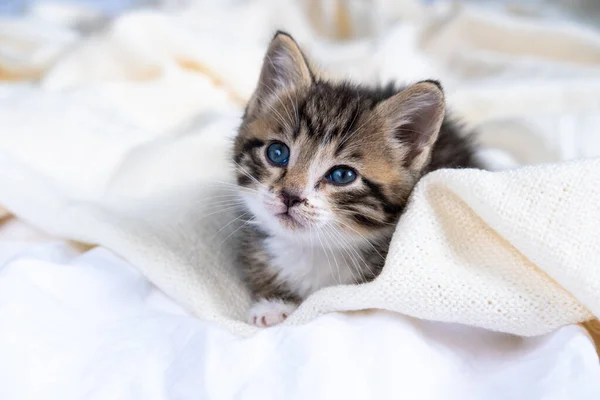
(290, 199)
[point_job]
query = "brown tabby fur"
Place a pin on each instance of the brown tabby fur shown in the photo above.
(389, 135)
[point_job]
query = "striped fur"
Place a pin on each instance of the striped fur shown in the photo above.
(390, 136)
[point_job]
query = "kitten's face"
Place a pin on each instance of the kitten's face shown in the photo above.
(324, 161)
(311, 156)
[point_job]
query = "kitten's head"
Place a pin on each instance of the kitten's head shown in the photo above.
(311, 154)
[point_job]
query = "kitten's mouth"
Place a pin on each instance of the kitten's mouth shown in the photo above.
(288, 220)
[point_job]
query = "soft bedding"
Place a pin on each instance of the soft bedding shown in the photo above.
(90, 326)
(119, 139)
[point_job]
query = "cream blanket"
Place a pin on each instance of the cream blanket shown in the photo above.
(123, 141)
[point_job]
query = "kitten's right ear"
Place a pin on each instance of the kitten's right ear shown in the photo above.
(284, 67)
(414, 117)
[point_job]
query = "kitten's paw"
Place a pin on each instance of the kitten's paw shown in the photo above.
(265, 313)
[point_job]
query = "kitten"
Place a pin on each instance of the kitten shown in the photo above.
(326, 170)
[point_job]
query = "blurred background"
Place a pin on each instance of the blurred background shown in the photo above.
(586, 10)
(525, 74)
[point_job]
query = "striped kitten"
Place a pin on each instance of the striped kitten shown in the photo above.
(326, 170)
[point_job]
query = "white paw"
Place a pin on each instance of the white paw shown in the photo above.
(265, 313)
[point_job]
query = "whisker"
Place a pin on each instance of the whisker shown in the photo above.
(327, 257)
(236, 207)
(332, 236)
(231, 222)
(224, 203)
(312, 245)
(357, 253)
(232, 186)
(222, 196)
(242, 170)
(237, 229)
(362, 236)
(337, 266)
(346, 246)
(252, 177)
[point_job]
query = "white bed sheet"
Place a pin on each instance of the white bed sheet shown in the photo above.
(86, 325)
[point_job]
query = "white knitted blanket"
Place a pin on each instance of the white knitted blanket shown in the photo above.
(123, 142)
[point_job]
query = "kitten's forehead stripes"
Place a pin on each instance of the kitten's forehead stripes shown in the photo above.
(331, 112)
(355, 156)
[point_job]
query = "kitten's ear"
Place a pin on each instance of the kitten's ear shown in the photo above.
(414, 118)
(284, 67)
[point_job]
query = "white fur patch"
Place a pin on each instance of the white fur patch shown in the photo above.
(306, 268)
(265, 313)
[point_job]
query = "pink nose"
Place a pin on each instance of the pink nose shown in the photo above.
(289, 199)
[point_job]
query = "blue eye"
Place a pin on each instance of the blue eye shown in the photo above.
(341, 175)
(278, 154)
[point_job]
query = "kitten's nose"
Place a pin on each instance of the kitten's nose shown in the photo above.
(290, 199)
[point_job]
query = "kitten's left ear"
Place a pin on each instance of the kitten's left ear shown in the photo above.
(414, 118)
(284, 67)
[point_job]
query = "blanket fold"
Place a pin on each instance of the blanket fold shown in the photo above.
(133, 156)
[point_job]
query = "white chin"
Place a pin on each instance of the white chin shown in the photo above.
(288, 222)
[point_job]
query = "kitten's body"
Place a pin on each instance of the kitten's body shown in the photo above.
(311, 230)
